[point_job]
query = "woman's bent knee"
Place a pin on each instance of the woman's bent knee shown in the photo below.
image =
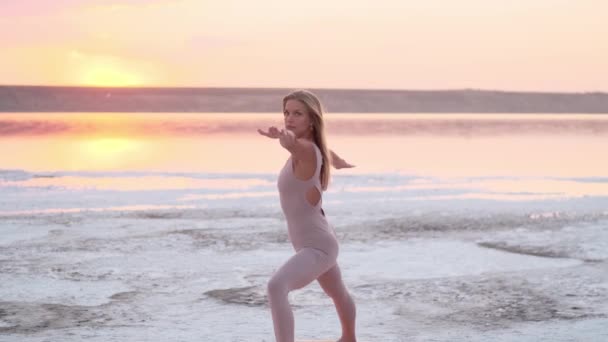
(275, 287)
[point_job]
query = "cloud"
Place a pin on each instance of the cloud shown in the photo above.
(32, 127)
(206, 41)
(38, 7)
(41, 7)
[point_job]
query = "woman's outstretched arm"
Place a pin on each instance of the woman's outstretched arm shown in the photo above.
(289, 142)
(300, 149)
(338, 162)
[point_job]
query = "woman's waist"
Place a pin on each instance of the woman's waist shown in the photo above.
(309, 218)
(301, 208)
(310, 228)
(299, 202)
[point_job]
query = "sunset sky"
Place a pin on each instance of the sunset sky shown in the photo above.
(543, 45)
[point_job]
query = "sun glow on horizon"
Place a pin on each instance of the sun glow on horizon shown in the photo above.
(109, 76)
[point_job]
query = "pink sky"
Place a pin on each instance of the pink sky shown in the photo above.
(542, 45)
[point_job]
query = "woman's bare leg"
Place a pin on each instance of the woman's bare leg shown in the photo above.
(332, 284)
(300, 270)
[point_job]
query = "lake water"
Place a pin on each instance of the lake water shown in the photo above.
(163, 227)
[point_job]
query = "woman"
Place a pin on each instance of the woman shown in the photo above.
(300, 183)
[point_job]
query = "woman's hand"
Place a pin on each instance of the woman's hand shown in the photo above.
(338, 162)
(287, 139)
(285, 136)
(342, 164)
(272, 132)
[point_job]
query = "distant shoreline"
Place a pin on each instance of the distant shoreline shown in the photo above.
(258, 100)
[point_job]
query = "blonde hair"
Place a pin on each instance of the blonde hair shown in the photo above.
(315, 111)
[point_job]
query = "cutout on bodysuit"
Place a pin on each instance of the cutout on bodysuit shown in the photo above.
(313, 196)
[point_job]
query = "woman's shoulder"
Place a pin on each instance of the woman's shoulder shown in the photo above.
(311, 147)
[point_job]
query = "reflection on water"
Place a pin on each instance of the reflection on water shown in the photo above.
(426, 144)
(138, 183)
(88, 209)
(157, 124)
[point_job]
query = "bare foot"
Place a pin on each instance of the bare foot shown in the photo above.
(344, 339)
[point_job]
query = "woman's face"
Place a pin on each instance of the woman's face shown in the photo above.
(297, 118)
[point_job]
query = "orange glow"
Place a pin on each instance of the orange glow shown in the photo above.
(442, 45)
(229, 143)
(109, 76)
(108, 152)
(134, 183)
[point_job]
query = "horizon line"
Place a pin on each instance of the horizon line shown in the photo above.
(309, 88)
